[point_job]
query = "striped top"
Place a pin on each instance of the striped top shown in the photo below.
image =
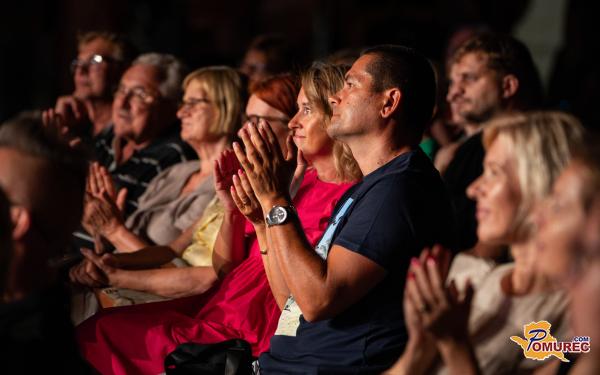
(136, 173)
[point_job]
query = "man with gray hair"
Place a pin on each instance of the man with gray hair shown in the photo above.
(144, 139)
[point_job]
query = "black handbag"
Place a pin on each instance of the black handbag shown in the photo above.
(231, 357)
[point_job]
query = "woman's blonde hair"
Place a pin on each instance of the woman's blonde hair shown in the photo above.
(321, 81)
(225, 89)
(542, 143)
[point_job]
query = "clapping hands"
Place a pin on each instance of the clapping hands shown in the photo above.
(103, 210)
(268, 171)
(436, 308)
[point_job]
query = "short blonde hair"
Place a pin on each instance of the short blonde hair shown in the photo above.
(543, 143)
(321, 81)
(223, 86)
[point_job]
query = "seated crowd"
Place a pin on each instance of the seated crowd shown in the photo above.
(306, 215)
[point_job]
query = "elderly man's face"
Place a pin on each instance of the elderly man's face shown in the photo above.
(138, 108)
(93, 76)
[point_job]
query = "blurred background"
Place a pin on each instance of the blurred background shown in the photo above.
(38, 38)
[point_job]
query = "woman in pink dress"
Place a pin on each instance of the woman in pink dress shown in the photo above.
(136, 339)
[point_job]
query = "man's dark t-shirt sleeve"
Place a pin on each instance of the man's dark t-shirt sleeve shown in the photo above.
(380, 224)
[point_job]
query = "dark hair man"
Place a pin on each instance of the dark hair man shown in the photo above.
(489, 74)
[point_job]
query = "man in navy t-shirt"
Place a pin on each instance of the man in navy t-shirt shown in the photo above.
(349, 289)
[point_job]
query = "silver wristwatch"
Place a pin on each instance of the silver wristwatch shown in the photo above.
(279, 215)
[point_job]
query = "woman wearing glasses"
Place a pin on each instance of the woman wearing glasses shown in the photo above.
(174, 201)
(136, 339)
(180, 206)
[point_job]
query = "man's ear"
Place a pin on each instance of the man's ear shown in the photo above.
(21, 219)
(392, 98)
(510, 85)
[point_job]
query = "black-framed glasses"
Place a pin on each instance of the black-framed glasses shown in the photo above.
(270, 119)
(92, 61)
(138, 95)
(187, 105)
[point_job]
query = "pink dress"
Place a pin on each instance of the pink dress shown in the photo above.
(136, 339)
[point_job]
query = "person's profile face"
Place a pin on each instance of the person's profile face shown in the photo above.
(92, 69)
(355, 107)
(308, 128)
(474, 91)
(198, 113)
(137, 103)
(497, 194)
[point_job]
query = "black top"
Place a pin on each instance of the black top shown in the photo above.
(388, 217)
(465, 168)
(37, 336)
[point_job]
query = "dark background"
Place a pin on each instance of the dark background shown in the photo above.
(37, 38)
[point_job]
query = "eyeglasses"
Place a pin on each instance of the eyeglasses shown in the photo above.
(187, 105)
(92, 62)
(138, 95)
(255, 118)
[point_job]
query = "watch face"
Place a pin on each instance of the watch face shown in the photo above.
(277, 215)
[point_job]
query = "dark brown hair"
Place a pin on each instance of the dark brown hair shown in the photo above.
(411, 72)
(507, 55)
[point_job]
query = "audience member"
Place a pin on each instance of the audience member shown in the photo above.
(144, 140)
(170, 282)
(175, 200)
(348, 289)
(211, 115)
(42, 178)
(102, 57)
(567, 246)
(525, 154)
(243, 305)
(489, 74)
(585, 288)
(267, 55)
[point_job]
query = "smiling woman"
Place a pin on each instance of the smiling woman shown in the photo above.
(525, 154)
(135, 339)
(178, 205)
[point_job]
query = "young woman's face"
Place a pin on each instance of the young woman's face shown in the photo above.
(308, 127)
(497, 194)
(559, 222)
